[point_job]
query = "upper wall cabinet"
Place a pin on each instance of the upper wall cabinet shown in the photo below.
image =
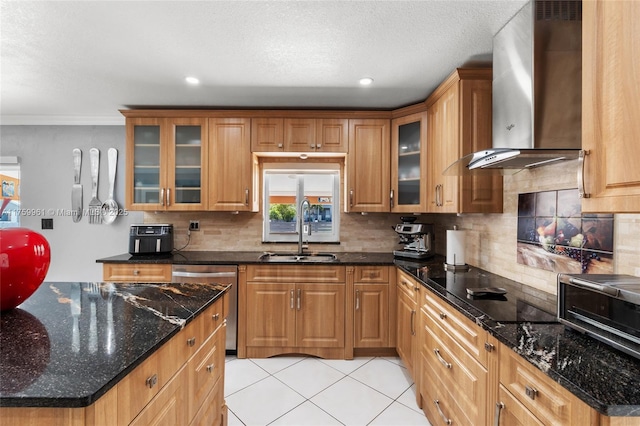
(231, 165)
(166, 164)
(610, 106)
(299, 135)
(408, 163)
(368, 166)
(459, 123)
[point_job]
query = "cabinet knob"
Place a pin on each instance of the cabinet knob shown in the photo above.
(216, 316)
(489, 347)
(191, 342)
(136, 272)
(210, 368)
(152, 381)
(318, 145)
(280, 145)
(443, 316)
(531, 392)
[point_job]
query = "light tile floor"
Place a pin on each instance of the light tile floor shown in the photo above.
(297, 391)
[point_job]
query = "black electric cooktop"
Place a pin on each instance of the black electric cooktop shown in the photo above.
(518, 303)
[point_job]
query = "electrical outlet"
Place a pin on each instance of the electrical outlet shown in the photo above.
(47, 223)
(194, 225)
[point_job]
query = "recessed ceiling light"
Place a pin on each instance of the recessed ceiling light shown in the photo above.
(192, 80)
(366, 81)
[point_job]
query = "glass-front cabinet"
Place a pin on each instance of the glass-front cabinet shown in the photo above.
(408, 173)
(166, 164)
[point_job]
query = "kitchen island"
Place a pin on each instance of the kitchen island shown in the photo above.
(78, 350)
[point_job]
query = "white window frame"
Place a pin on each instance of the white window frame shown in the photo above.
(301, 169)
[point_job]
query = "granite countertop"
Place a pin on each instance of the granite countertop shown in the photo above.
(71, 342)
(525, 320)
(245, 257)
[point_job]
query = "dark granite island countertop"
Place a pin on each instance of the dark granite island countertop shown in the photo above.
(71, 342)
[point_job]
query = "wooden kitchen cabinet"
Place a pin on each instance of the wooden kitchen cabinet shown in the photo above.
(529, 396)
(292, 135)
(610, 106)
(232, 186)
(459, 123)
(136, 272)
(166, 164)
(409, 163)
(456, 367)
(372, 297)
(368, 166)
(408, 291)
(294, 309)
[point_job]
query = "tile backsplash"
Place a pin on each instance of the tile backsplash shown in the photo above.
(491, 238)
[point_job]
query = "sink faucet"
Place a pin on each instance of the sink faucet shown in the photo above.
(304, 203)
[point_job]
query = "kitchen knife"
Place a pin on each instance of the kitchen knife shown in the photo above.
(76, 190)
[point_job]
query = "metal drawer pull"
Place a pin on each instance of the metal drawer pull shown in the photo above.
(444, 418)
(216, 317)
(191, 342)
(162, 196)
(136, 272)
(391, 198)
(413, 327)
(443, 315)
(488, 347)
(581, 158)
(531, 392)
(496, 413)
(291, 294)
(168, 197)
(246, 197)
(210, 368)
(357, 300)
(299, 298)
(152, 381)
(442, 360)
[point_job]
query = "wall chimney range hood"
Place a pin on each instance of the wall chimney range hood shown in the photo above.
(537, 90)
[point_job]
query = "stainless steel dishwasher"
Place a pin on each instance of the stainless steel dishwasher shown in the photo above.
(221, 274)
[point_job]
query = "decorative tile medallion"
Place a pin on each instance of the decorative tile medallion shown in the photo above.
(553, 234)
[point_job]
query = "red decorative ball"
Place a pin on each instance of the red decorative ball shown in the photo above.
(24, 261)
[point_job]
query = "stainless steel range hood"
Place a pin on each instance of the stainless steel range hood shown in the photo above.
(537, 90)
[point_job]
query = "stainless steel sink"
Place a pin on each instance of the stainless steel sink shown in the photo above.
(297, 258)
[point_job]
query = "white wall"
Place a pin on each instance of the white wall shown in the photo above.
(46, 180)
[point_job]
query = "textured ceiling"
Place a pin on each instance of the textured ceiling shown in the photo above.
(78, 62)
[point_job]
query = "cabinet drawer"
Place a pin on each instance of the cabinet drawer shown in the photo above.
(168, 407)
(461, 329)
(210, 413)
(138, 388)
(408, 285)
(459, 373)
(546, 399)
(437, 403)
(371, 274)
(296, 273)
(512, 412)
(205, 369)
(137, 272)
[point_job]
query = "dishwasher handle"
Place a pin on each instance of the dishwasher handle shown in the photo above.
(203, 274)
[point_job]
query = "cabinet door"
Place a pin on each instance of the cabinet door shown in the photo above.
(443, 142)
(611, 105)
(478, 193)
(187, 164)
(320, 315)
(145, 173)
(406, 329)
(332, 135)
(230, 164)
(371, 319)
(368, 166)
(271, 315)
(408, 168)
(267, 135)
(299, 134)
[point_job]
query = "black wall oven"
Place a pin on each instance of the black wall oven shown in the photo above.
(607, 307)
